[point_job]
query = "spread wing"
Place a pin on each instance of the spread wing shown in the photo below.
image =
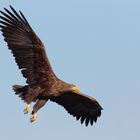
(81, 106)
(26, 47)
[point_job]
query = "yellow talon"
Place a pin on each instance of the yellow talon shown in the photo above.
(27, 109)
(33, 118)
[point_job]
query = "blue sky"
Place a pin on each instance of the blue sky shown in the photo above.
(93, 44)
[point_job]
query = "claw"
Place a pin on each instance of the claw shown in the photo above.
(27, 109)
(33, 118)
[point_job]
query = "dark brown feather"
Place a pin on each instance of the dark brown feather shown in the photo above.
(80, 106)
(26, 47)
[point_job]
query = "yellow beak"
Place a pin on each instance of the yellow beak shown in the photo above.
(76, 89)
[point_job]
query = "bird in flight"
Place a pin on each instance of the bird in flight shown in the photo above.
(42, 83)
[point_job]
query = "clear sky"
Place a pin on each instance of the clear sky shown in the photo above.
(93, 44)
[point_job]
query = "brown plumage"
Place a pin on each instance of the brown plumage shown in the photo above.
(42, 83)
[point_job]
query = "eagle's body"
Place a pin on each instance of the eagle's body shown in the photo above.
(42, 83)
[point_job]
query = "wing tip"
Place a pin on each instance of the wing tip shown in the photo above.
(11, 6)
(90, 120)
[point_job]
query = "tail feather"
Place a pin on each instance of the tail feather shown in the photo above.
(20, 90)
(17, 88)
(26, 93)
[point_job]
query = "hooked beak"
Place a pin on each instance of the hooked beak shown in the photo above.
(75, 89)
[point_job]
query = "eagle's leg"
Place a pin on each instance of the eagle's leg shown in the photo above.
(40, 103)
(27, 109)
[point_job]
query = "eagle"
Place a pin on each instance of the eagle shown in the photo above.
(42, 84)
